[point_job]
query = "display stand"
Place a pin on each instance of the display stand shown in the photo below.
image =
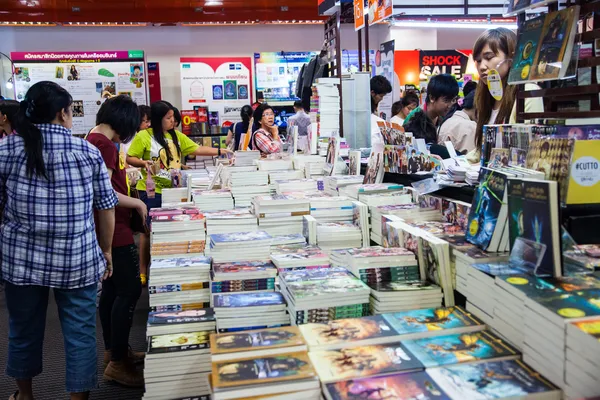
(332, 42)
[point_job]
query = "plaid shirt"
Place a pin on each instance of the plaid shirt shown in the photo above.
(47, 234)
(265, 143)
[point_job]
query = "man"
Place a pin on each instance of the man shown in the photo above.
(380, 87)
(461, 127)
(302, 121)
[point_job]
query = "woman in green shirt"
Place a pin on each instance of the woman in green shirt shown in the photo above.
(160, 148)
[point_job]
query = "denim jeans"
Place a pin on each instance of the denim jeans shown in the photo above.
(27, 307)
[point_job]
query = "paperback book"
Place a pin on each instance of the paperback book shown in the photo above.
(434, 321)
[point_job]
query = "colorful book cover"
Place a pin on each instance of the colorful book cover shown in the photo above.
(178, 342)
(552, 156)
(530, 285)
(584, 177)
(567, 305)
(491, 380)
(374, 172)
(287, 336)
(591, 327)
(240, 237)
(499, 158)
(240, 300)
(515, 210)
(259, 371)
(431, 319)
(429, 202)
(518, 157)
(554, 48)
(485, 209)
(245, 267)
(455, 213)
(180, 262)
(377, 251)
(411, 386)
(460, 348)
(315, 274)
(174, 288)
(410, 286)
(433, 260)
(527, 43)
(395, 159)
(230, 90)
(418, 161)
(498, 269)
(315, 288)
(458, 242)
(363, 361)
(342, 331)
(181, 317)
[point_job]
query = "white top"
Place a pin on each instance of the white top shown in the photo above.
(397, 120)
(377, 143)
(460, 130)
(493, 117)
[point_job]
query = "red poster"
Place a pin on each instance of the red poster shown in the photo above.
(154, 82)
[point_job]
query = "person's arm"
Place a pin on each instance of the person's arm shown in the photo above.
(106, 231)
(229, 138)
(130, 202)
(265, 144)
(135, 153)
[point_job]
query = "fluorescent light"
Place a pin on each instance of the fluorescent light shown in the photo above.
(452, 25)
(213, 3)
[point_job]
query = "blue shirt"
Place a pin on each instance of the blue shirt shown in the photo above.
(47, 233)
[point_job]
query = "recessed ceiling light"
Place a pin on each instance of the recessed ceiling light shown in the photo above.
(213, 3)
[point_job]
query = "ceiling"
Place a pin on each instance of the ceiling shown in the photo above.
(156, 11)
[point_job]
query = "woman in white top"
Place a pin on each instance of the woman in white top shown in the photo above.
(495, 49)
(402, 108)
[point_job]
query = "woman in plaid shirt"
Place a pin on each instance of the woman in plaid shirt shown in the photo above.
(266, 137)
(50, 184)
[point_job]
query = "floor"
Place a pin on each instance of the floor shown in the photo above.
(50, 384)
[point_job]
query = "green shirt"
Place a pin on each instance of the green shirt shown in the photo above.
(145, 147)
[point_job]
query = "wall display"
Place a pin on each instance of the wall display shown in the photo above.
(223, 84)
(90, 78)
(453, 62)
(154, 89)
(384, 61)
(380, 10)
(277, 73)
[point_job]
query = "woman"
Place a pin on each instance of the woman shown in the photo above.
(460, 128)
(237, 130)
(144, 113)
(8, 117)
(53, 244)
(402, 108)
(117, 121)
(161, 149)
(495, 49)
(266, 137)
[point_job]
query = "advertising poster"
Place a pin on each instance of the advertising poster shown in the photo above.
(223, 84)
(359, 14)
(384, 60)
(277, 74)
(453, 62)
(350, 61)
(154, 82)
(379, 10)
(90, 78)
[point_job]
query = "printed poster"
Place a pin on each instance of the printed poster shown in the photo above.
(379, 10)
(90, 78)
(154, 82)
(222, 84)
(453, 62)
(384, 60)
(359, 14)
(277, 73)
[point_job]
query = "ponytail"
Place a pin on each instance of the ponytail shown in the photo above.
(33, 142)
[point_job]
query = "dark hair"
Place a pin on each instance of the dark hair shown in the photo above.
(10, 108)
(298, 104)
(177, 116)
(41, 104)
(246, 114)
(442, 86)
(469, 87)
(122, 115)
(158, 111)
(469, 101)
(380, 85)
(260, 110)
(409, 98)
(397, 107)
(144, 111)
(137, 66)
(422, 127)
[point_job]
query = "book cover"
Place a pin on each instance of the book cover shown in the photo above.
(460, 348)
(395, 159)
(374, 172)
(499, 158)
(409, 286)
(518, 157)
(377, 251)
(498, 269)
(490, 380)
(259, 371)
(411, 386)
(333, 152)
(515, 6)
(567, 305)
(315, 274)
(287, 336)
(180, 262)
(354, 163)
(181, 317)
(584, 177)
(347, 330)
(431, 319)
(240, 237)
(531, 286)
(239, 300)
(556, 41)
(432, 258)
(363, 361)
(455, 213)
(527, 44)
(245, 267)
(515, 210)
(178, 342)
(315, 288)
(174, 288)
(591, 327)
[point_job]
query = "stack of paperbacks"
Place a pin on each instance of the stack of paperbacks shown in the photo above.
(246, 183)
(178, 283)
(241, 246)
(230, 221)
(334, 183)
(212, 200)
(247, 277)
(265, 362)
(298, 185)
(298, 256)
(246, 158)
(323, 294)
(280, 214)
(177, 231)
(242, 311)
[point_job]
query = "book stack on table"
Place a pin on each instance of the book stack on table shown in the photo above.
(582, 358)
(212, 200)
(285, 175)
(172, 322)
(241, 246)
(243, 311)
(246, 158)
(355, 191)
(230, 221)
(338, 235)
(334, 183)
(275, 165)
(288, 240)
(176, 230)
(323, 294)
(298, 256)
(280, 214)
(247, 277)
(246, 183)
(295, 185)
(331, 209)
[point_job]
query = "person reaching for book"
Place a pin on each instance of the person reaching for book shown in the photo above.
(158, 150)
(117, 121)
(266, 137)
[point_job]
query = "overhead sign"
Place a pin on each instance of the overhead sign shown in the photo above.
(379, 10)
(359, 14)
(453, 62)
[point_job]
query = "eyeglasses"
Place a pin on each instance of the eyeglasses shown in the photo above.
(268, 114)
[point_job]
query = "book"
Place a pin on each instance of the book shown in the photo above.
(416, 385)
(434, 259)
(333, 152)
(258, 238)
(245, 300)
(256, 343)
(179, 342)
(374, 172)
(516, 6)
(515, 210)
(492, 380)
(527, 44)
(354, 163)
(552, 156)
(584, 178)
(363, 361)
(460, 348)
(262, 370)
(434, 322)
(559, 308)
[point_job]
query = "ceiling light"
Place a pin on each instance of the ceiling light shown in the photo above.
(213, 3)
(452, 25)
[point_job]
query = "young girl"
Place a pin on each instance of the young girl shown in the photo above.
(160, 148)
(494, 49)
(8, 117)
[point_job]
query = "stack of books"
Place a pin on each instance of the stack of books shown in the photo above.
(186, 321)
(285, 175)
(387, 199)
(378, 264)
(197, 179)
(354, 191)
(391, 297)
(177, 366)
(242, 246)
(212, 200)
(323, 294)
(331, 209)
(174, 195)
(296, 185)
(456, 173)
(248, 277)
(583, 358)
(246, 185)
(230, 221)
(325, 106)
(464, 255)
(275, 165)
(170, 225)
(338, 235)
(179, 283)
(298, 256)
(291, 239)
(335, 182)
(246, 158)
(243, 311)
(280, 214)
(280, 376)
